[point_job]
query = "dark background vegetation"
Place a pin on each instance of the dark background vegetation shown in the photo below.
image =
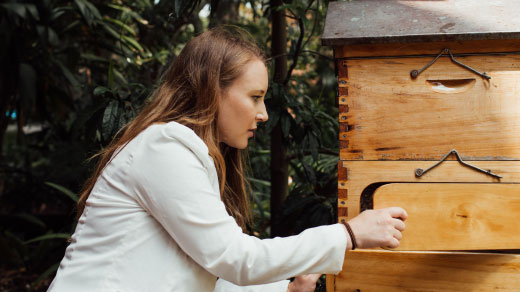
(74, 72)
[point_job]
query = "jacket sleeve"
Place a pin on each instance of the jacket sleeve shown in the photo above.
(225, 286)
(172, 184)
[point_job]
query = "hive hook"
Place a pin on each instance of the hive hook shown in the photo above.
(414, 73)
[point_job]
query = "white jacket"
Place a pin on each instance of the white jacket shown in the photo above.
(155, 222)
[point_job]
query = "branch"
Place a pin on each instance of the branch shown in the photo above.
(299, 44)
(302, 51)
(289, 16)
(289, 9)
(318, 54)
(296, 52)
(313, 24)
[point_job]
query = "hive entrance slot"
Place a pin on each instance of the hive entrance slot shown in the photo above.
(451, 86)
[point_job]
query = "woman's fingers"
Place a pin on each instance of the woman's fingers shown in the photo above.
(379, 228)
(398, 224)
(394, 243)
(304, 283)
(397, 234)
(397, 212)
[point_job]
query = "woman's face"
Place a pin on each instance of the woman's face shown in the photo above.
(242, 106)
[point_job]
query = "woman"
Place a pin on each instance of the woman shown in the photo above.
(166, 207)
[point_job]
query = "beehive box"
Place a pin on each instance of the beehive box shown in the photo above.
(441, 141)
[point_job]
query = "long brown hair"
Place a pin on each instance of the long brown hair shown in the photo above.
(189, 94)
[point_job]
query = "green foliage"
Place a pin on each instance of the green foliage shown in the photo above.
(76, 71)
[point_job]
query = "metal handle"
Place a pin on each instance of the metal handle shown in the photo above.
(419, 171)
(414, 73)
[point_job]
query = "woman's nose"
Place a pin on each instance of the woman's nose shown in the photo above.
(262, 115)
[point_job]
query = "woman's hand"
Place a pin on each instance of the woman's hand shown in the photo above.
(379, 228)
(305, 283)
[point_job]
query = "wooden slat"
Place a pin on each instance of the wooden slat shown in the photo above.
(387, 271)
(392, 117)
(430, 48)
(330, 283)
(455, 216)
(356, 176)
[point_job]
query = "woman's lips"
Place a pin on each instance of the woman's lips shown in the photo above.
(250, 133)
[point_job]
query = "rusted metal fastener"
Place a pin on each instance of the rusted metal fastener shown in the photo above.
(419, 171)
(414, 73)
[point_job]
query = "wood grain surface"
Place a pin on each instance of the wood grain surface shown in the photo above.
(389, 116)
(431, 48)
(355, 177)
(392, 271)
(455, 216)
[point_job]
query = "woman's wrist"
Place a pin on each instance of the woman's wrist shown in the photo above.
(351, 234)
(349, 240)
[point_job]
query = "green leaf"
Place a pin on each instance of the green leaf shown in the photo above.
(89, 12)
(285, 123)
(12, 248)
(48, 236)
(309, 173)
(45, 275)
(122, 25)
(120, 78)
(83, 10)
(57, 12)
(92, 9)
(110, 120)
(73, 196)
(109, 30)
(128, 11)
(178, 7)
(16, 8)
(32, 219)
(132, 42)
(52, 37)
(33, 11)
(100, 90)
(92, 57)
(110, 80)
(313, 145)
(71, 26)
(68, 75)
(259, 205)
(260, 181)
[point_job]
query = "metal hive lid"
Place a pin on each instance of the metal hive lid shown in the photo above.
(405, 21)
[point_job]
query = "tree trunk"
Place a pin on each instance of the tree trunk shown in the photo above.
(279, 162)
(226, 11)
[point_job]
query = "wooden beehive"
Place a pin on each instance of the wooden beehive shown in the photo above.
(460, 115)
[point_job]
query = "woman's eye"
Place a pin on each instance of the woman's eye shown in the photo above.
(256, 97)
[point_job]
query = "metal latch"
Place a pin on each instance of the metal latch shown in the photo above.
(414, 73)
(419, 171)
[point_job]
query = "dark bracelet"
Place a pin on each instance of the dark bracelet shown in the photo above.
(351, 233)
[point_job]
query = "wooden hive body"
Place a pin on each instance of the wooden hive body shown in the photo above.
(463, 231)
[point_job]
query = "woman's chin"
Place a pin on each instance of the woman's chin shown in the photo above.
(240, 145)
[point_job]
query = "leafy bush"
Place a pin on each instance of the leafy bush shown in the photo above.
(74, 72)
